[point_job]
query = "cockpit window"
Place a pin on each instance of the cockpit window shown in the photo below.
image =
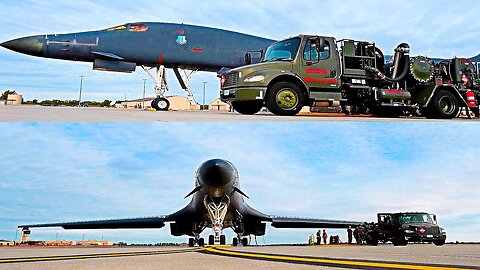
(118, 28)
(136, 27)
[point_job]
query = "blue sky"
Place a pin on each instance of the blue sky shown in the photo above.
(434, 28)
(71, 172)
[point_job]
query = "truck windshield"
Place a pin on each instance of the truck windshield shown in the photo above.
(415, 218)
(283, 50)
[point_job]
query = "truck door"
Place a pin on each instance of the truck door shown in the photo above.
(386, 225)
(319, 67)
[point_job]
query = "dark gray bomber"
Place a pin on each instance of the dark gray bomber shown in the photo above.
(217, 203)
(150, 45)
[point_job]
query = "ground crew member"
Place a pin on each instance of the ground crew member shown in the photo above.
(350, 233)
(319, 237)
(355, 234)
(325, 236)
(361, 235)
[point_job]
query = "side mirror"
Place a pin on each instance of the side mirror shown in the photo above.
(248, 58)
(434, 218)
(320, 44)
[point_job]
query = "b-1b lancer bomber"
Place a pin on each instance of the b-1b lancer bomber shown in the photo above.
(153, 46)
(217, 203)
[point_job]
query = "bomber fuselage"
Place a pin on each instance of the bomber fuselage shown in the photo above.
(149, 44)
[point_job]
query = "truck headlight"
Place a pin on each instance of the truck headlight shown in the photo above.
(257, 78)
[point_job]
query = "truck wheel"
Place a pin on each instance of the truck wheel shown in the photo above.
(247, 107)
(444, 105)
(399, 241)
(439, 242)
(285, 98)
(372, 242)
(349, 109)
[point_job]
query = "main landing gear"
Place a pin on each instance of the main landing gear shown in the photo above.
(196, 241)
(161, 103)
(243, 241)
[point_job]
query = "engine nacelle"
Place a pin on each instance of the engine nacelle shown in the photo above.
(115, 66)
(254, 228)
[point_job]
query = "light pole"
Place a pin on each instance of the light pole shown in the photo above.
(81, 86)
(204, 90)
(144, 86)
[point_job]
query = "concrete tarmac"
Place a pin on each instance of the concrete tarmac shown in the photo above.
(262, 257)
(69, 114)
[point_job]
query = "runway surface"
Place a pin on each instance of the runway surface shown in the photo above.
(69, 114)
(264, 257)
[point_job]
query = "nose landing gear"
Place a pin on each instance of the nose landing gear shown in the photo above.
(217, 213)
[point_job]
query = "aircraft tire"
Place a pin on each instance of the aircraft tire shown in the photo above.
(247, 107)
(235, 242)
(223, 240)
(201, 242)
(285, 99)
(444, 105)
(191, 242)
(163, 104)
(154, 104)
(245, 242)
(211, 240)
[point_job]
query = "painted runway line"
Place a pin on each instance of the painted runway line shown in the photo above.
(330, 262)
(220, 251)
(95, 256)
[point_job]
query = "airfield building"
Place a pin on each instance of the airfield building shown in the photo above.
(218, 105)
(12, 100)
(6, 243)
(95, 243)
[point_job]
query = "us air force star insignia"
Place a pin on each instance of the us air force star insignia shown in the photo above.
(182, 40)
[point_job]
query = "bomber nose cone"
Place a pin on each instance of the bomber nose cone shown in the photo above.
(27, 45)
(217, 172)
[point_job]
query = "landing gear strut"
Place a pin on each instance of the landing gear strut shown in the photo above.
(161, 103)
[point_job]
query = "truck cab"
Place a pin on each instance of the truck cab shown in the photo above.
(292, 74)
(402, 228)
